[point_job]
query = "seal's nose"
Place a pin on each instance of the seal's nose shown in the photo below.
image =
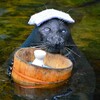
(55, 40)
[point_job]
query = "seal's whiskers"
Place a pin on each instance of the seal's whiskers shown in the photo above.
(70, 55)
(73, 52)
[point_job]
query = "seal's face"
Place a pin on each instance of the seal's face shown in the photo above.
(54, 34)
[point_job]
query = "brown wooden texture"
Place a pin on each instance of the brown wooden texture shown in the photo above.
(26, 74)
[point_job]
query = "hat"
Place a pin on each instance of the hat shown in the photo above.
(48, 14)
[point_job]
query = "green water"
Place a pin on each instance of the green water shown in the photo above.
(14, 29)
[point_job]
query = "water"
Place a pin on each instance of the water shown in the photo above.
(13, 21)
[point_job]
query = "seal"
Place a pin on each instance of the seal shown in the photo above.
(54, 36)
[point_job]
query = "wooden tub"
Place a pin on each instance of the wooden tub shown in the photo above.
(31, 76)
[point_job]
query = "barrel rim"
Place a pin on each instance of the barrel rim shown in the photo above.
(50, 68)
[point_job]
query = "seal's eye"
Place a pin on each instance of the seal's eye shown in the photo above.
(63, 31)
(47, 29)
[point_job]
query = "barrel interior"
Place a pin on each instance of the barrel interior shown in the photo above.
(52, 60)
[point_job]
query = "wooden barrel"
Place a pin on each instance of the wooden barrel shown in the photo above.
(31, 76)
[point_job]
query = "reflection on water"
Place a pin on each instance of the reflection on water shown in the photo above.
(82, 83)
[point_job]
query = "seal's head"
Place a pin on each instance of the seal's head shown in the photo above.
(55, 35)
(53, 31)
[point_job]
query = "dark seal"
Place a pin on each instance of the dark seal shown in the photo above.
(54, 36)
